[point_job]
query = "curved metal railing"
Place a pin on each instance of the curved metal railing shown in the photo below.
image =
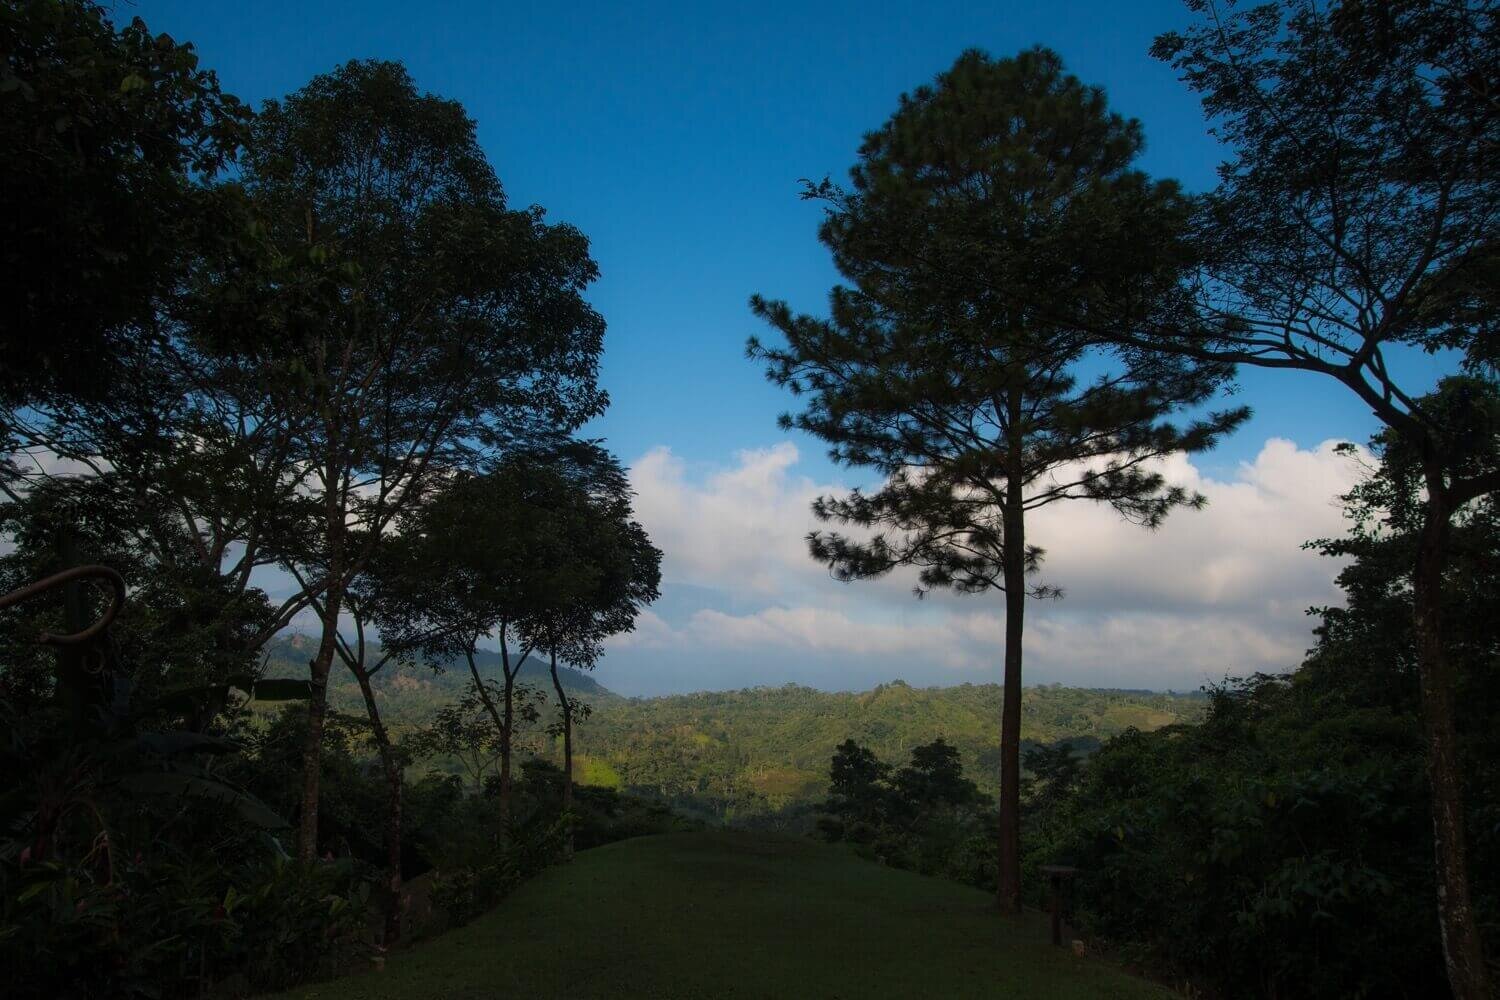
(94, 572)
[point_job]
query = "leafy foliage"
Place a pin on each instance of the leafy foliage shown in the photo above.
(1283, 846)
(168, 926)
(104, 133)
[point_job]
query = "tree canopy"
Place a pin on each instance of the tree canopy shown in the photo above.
(105, 135)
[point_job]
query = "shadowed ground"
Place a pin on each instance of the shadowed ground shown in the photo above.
(710, 915)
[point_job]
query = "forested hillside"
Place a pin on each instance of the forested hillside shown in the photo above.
(766, 748)
(739, 755)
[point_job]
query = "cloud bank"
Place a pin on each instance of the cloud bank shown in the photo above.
(1213, 592)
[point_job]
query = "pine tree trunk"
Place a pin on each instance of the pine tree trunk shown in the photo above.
(1010, 713)
(1463, 948)
(393, 782)
(1014, 570)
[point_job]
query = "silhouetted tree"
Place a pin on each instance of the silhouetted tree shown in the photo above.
(856, 791)
(1007, 180)
(444, 324)
(935, 777)
(473, 560)
(1355, 222)
(386, 589)
(111, 137)
(609, 572)
(1317, 777)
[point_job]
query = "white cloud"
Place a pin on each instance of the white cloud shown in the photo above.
(740, 528)
(1217, 591)
(1243, 550)
(822, 630)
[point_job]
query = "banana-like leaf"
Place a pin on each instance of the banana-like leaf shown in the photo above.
(168, 783)
(281, 689)
(180, 701)
(188, 699)
(181, 742)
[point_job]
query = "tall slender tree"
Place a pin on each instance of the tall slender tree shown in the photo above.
(607, 573)
(466, 560)
(394, 590)
(365, 661)
(1005, 179)
(1355, 225)
(440, 325)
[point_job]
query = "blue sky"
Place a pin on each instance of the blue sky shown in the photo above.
(674, 136)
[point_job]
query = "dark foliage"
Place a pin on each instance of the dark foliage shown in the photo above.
(1354, 223)
(925, 816)
(105, 133)
(1283, 846)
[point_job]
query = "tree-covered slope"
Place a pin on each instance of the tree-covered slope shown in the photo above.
(729, 755)
(770, 747)
(739, 915)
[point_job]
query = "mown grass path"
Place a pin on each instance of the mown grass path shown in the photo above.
(713, 915)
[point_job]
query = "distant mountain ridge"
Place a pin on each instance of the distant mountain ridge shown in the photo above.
(411, 695)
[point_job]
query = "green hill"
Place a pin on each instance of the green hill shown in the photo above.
(739, 915)
(748, 756)
(729, 753)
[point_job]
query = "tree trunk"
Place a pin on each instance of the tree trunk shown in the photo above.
(502, 724)
(1013, 560)
(567, 718)
(507, 729)
(1010, 713)
(393, 782)
(1463, 949)
(312, 743)
(322, 663)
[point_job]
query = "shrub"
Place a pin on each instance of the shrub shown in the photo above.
(174, 927)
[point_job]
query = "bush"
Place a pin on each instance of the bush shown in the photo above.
(1276, 850)
(173, 928)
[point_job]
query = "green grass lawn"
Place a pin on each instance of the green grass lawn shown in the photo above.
(738, 915)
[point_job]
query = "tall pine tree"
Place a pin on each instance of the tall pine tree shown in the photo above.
(1006, 181)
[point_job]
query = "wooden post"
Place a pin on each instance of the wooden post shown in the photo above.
(1055, 874)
